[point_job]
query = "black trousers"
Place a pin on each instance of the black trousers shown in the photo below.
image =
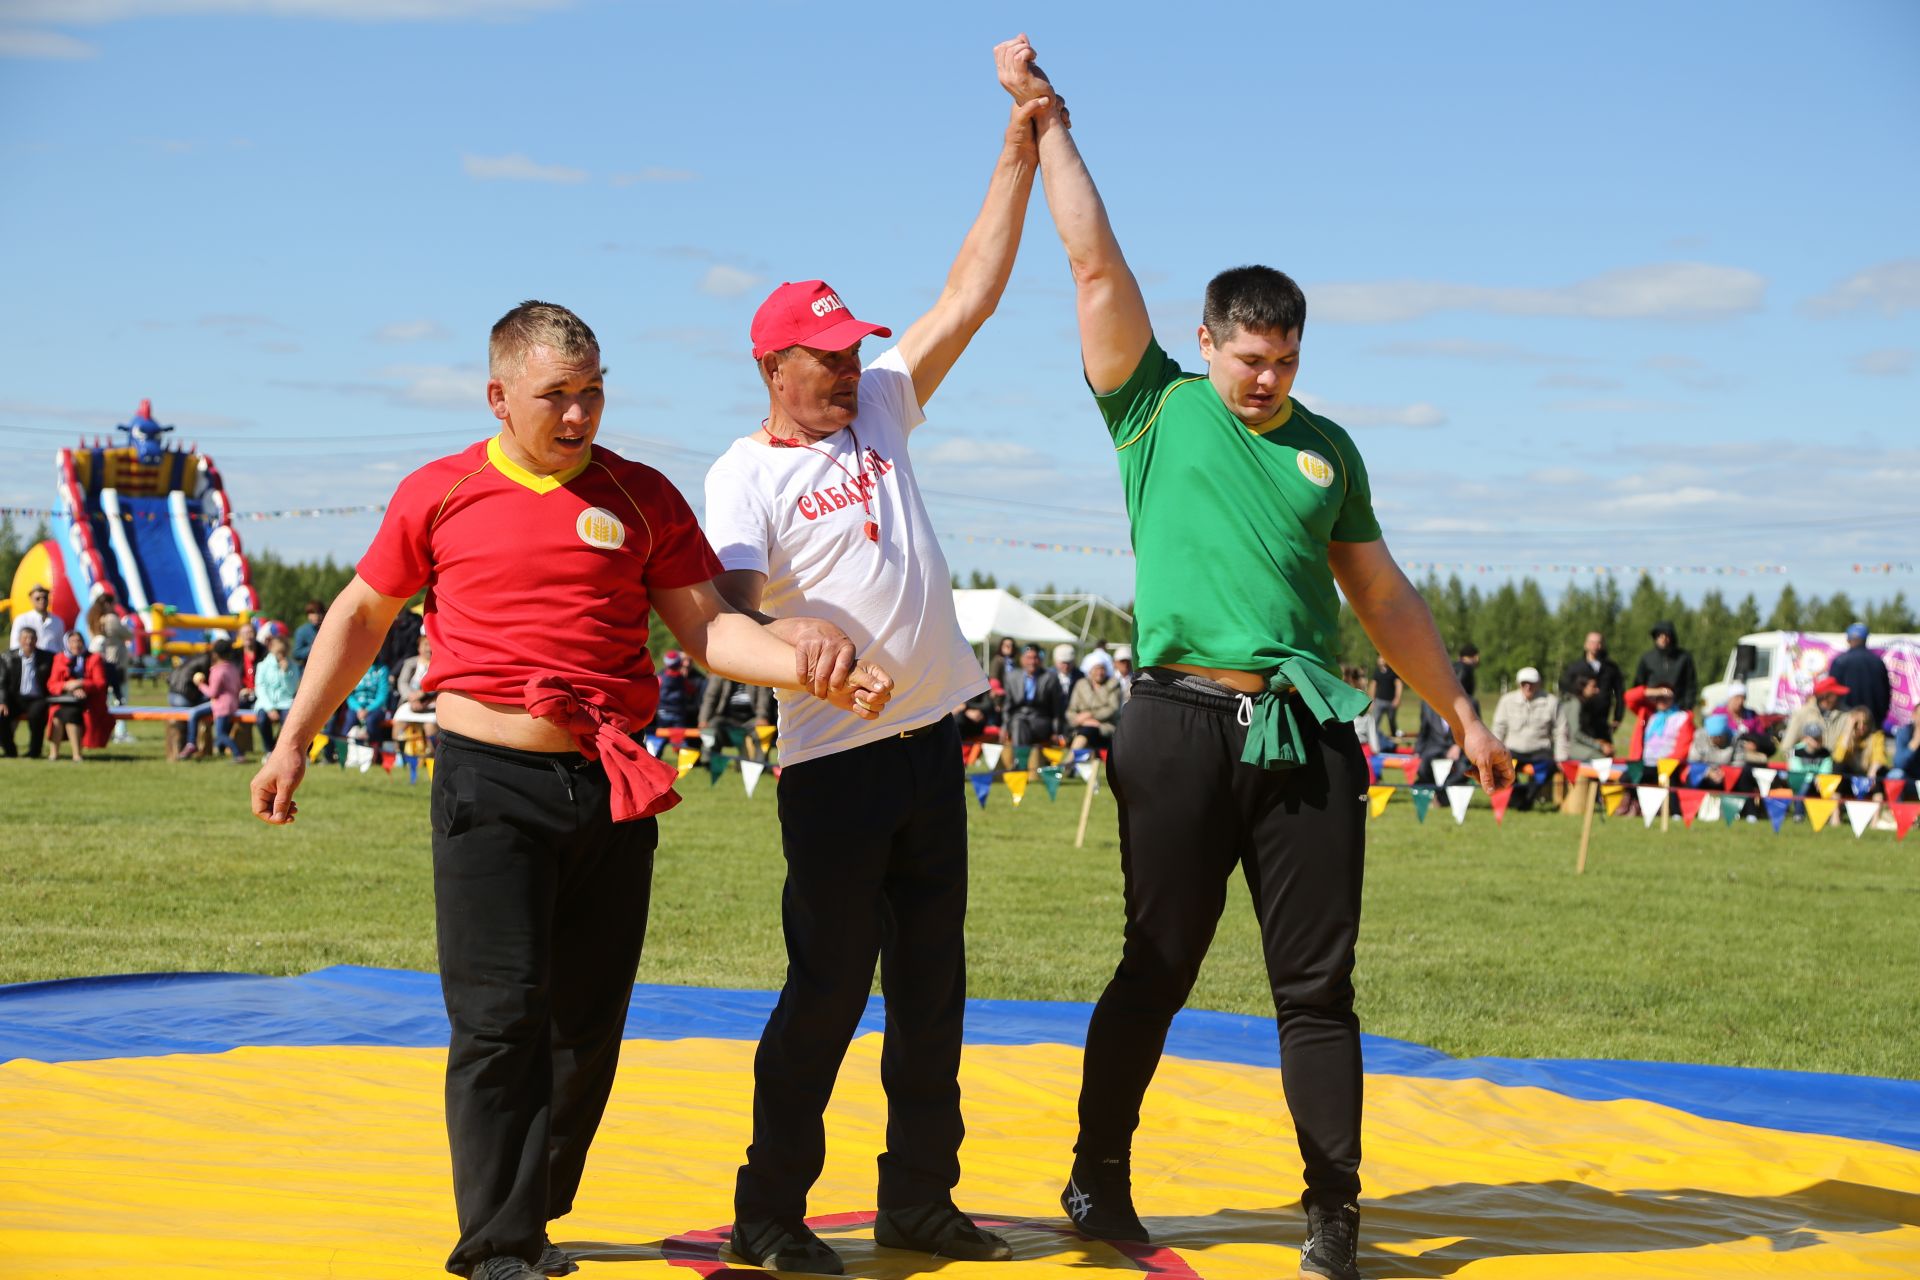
(541, 903)
(876, 845)
(1190, 812)
(32, 712)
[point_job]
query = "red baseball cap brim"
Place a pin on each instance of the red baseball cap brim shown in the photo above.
(838, 337)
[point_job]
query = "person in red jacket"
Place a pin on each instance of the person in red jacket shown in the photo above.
(1661, 730)
(88, 723)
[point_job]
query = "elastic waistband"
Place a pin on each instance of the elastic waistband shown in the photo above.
(512, 755)
(1191, 690)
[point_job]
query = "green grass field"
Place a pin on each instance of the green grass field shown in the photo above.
(1713, 945)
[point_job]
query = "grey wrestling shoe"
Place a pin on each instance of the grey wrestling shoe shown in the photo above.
(504, 1267)
(784, 1244)
(554, 1260)
(939, 1229)
(1099, 1200)
(1333, 1243)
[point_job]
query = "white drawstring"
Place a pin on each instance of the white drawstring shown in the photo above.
(1246, 710)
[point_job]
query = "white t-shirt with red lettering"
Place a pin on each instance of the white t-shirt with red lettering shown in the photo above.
(798, 516)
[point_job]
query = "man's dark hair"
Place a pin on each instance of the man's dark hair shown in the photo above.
(1469, 650)
(1257, 298)
(314, 606)
(222, 650)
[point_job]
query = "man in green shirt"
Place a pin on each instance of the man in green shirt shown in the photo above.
(1237, 748)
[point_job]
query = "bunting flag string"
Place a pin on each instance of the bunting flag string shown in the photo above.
(1820, 811)
(1016, 784)
(1378, 798)
(1423, 796)
(686, 760)
(1860, 813)
(1690, 801)
(990, 752)
(1903, 816)
(750, 771)
(1652, 800)
(1828, 784)
(1730, 810)
(982, 784)
(1777, 810)
(1458, 797)
(1050, 779)
(1499, 800)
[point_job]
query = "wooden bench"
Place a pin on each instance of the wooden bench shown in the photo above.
(175, 718)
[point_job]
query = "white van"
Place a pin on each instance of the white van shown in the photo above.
(1778, 669)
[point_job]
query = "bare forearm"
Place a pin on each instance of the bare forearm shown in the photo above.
(341, 654)
(1079, 215)
(985, 262)
(1401, 627)
(739, 647)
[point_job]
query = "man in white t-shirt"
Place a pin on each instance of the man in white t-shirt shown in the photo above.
(818, 513)
(46, 624)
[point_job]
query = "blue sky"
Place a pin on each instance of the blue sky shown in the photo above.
(1631, 286)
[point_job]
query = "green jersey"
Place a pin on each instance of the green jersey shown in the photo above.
(1231, 523)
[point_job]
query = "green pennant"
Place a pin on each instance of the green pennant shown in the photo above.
(1730, 807)
(1636, 771)
(1422, 797)
(717, 765)
(1020, 755)
(1798, 780)
(732, 735)
(1050, 775)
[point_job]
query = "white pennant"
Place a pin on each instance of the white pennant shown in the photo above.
(1765, 777)
(1604, 768)
(1709, 809)
(750, 771)
(1860, 813)
(1088, 771)
(1442, 770)
(1458, 798)
(1651, 800)
(991, 754)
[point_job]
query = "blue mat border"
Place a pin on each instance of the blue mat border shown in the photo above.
(151, 1014)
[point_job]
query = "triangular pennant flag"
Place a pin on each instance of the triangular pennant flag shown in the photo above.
(716, 766)
(385, 762)
(1499, 800)
(429, 768)
(687, 758)
(1017, 782)
(969, 753)
(676, 736)
(750, 771)
(1730, 776)
(1862, 784)
(1828, 783)
(1377, 798)
(1903, 816)
(733, 735)
(1020, 757)
(1613, 795)
(990, 752)
(362, 755)
(1411, 767)
(1690, 800)
(1603, 768)
(1651, 799)
(765, 733)
(1374, 765)
(1798, 780)
(1089, 772)
(1894, 786)
(1820, 811)
(1697, 773)
(654, 744)
(1730, 810)
(1710, 807)
(1442, 770)
(982, 783)
(1860, 813)
(1053, 755)
(1458, 798)
(1423, 796)
(1050, 778)
(1570, 770)
(1777, 809)
(1636, 771)
(318, 745)
(413, 770)
(1763, 779)
(1665, 769)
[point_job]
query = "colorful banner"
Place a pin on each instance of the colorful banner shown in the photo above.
(1820, 811)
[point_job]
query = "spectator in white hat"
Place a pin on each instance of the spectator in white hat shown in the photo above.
(1063, 666)
(1535, 730)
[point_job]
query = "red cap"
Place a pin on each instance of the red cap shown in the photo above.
(807, 314)
(1826, 685)
(673, 657)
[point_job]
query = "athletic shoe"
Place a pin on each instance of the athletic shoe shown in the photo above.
(784, 1244)
(553, 1260)
(941, 1230)
(504, 1267)
(1099, 1200)
(1333, 1240)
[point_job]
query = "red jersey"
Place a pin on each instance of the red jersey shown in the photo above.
(539, 575)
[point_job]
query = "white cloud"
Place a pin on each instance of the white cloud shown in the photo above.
(1888, 362)
(517, 167)
(1891, 287)
(1420, 414)
(964, 451)
(1691, 495)
(437, 386)
(1471, 349)
(723, 281)
(23, 43)
(410, 331)
(1666, 291)
(93, 13)
(653, 173)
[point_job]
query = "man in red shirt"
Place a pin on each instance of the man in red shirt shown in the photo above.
(543, 804)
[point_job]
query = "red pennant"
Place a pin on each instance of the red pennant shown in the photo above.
(1903, 816)
(1571, 770)
(678, 737)
(1499, 801)
(1894, 787)
(386, 762)
(1409, 766)
(1690, 799)
(1730, 776)
(971, 753)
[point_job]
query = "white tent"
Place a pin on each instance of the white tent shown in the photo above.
(987, 615)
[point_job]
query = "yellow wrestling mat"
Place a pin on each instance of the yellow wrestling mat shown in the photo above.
(332, 1162)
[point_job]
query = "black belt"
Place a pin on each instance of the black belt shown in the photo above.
(926, 728)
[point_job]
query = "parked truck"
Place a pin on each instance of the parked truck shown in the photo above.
(1778, 670)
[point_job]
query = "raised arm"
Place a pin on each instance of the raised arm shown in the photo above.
(979, 273)
(1114, 328)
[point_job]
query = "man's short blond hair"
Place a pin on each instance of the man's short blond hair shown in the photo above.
(537, 324)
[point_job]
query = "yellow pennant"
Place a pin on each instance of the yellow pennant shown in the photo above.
(429, 768)
(766, 732)
(1377, 798)
(1053, 755)
(319, 745)
(1665, 768)
(1613, 793)
(687, 758)
(1819, 812)
(1828, 784)
(1017, 785)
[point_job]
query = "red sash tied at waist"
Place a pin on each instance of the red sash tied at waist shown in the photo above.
(641, 785)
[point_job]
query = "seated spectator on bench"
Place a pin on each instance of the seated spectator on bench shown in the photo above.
(367, 706)
(1823, 708)
(1036, 705)
(275, 681)
(79, 674)
(1906, 746)
(1092, 708)
(1588, 715)
(1718, 748)
(979, 713)
(1860, 750)
(27, 673)
(412, 671)
(743, 708)
(1747, 727)
(1810, 751)
(1528, 720)
(1661, 730)
(224, 685)
(1434, 742)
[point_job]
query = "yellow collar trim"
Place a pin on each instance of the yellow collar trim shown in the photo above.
(526, 479)
(1276, 422)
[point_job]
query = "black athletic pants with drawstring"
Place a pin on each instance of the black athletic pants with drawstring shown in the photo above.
(1190, 812)
(541, 902)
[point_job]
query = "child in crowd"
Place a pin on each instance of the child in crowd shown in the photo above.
(275, 680)
(223, 695)
(1811, 751)
(367, 704)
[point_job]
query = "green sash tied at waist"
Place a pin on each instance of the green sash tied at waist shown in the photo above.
(1273, 736)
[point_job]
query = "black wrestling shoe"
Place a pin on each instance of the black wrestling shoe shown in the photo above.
(941, 1230)
(504, 1266)
(1333, 1243)
(1099, 1200)
(784, 1244)
(553, 1260)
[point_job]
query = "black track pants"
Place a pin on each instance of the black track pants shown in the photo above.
(541, 901)
(876, 845)
(1189, 813)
